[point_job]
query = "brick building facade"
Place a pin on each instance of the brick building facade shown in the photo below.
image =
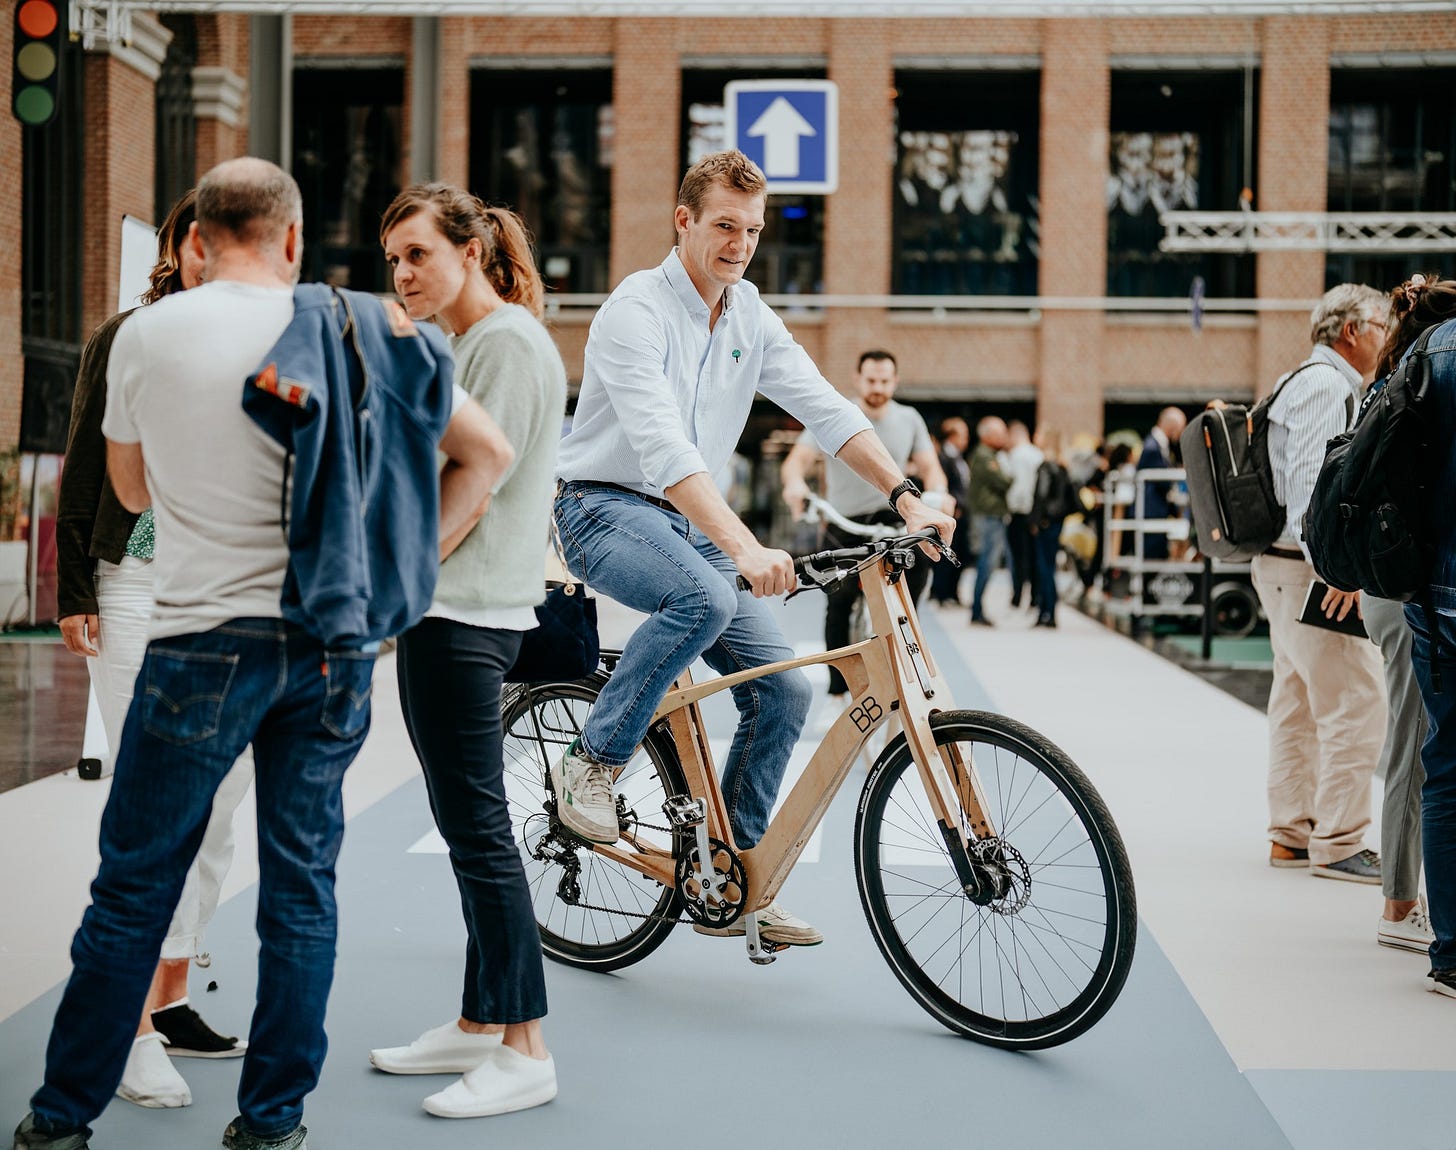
(1070, 349)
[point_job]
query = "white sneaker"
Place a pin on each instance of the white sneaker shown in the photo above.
(506, 1081)
(1413, 932)
(150, 1079)
(584, 801)
(444, 1050)
(775, 924)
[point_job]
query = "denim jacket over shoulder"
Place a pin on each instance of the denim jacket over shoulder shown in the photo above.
(1441, 350)
(360, 397)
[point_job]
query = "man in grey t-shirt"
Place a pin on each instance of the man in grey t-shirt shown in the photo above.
(905, 436)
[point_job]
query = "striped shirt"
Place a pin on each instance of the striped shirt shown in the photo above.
(1312, 410)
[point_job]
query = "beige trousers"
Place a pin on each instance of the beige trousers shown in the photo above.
(1326, 721)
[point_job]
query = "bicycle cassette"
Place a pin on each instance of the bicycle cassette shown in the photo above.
(722, 906)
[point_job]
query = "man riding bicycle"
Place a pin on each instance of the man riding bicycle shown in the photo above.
(903, 432)
(673, 361)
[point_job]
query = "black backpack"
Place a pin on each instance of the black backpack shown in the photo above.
(1369, 525)
(1056, 494)
(1230, 482)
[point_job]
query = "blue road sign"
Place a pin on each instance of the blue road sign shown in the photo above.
(790, 128)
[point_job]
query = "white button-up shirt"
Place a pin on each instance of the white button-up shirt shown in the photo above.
(663, 398)
(1317, 405)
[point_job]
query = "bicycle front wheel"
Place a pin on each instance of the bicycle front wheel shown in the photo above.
(1042, 963)
(614, 916)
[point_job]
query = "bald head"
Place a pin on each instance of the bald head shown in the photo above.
(247, 201)
(992, 432)
(1171, 422)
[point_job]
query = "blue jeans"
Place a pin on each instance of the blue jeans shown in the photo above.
(992, 530)
(450, 684)
(655, 561)
(200, 700)
(1438, 794)
(1046, 544)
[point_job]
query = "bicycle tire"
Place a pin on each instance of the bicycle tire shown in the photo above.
(539, 721)
(1032, 985)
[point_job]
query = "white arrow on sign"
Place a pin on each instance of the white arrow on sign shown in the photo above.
(781, 127)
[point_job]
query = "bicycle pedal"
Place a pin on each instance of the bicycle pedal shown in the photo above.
(684, 813)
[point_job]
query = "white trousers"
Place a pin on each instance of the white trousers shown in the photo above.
(124, 607)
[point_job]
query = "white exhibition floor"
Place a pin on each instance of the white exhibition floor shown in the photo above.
(1328, 1029)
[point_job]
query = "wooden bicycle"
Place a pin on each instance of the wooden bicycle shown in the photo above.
(993, 878)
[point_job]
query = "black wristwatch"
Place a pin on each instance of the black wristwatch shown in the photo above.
(908, 485)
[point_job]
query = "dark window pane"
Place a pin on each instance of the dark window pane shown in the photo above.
(176, 121)
(1392, 136)
(965, 200)
(790, 256)
(542, 145)
(346, 156)
(1177, 144)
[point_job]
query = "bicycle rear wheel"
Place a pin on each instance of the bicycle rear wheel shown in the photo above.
(604, 929)
(1043, 963)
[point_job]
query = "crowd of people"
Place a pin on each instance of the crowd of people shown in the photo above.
(232, 626)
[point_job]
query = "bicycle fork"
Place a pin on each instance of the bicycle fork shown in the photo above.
(977, 859)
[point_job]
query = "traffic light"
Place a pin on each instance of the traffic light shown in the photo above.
(35, 79)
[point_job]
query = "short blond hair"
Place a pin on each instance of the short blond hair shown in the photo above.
(731, 169)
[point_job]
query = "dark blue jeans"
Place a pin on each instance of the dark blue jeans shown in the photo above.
(1438, 795)
(1046, 545)
(199, 700)
(450, 684)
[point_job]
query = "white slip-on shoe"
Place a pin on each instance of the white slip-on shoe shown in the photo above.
(775, 924)
(442, 1050)
(506, 1081)
(1413, 932)
(584, 801)
(150, 1079)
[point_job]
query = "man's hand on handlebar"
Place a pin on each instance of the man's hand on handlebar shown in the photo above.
(765, 571)
(919, 515)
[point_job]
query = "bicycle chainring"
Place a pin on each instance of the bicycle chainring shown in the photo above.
(723, 909)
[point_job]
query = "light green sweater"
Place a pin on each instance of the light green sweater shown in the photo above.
(509, 365)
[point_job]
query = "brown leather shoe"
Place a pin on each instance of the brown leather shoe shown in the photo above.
(1283, 856)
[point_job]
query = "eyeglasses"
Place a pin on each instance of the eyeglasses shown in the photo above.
(1381, 324)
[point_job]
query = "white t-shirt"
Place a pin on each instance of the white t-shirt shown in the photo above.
(175, 385)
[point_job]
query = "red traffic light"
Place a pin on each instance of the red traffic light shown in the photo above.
(35, 77)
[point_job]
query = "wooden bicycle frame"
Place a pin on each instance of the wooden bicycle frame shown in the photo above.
(892, 671)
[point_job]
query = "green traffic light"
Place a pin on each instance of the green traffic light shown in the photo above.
(34, 105)
(35, 61)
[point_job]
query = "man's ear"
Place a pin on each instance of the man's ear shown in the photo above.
(293, 243)
(680, 217)
(193, 239)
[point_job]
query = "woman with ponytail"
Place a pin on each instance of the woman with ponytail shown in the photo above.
(470, 267)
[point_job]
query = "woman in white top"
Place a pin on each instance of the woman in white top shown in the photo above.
(470, 267)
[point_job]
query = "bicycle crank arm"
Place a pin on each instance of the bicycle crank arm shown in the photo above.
(759, 953)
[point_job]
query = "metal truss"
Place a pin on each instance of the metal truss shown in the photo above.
(95, 23)
(1308, 231)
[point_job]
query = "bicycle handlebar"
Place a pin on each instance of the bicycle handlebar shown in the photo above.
(823, 567)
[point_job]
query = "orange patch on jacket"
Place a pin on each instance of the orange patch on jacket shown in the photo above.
(287, 390)
(399, 321)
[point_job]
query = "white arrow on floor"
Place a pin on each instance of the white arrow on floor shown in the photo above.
(781, 127)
